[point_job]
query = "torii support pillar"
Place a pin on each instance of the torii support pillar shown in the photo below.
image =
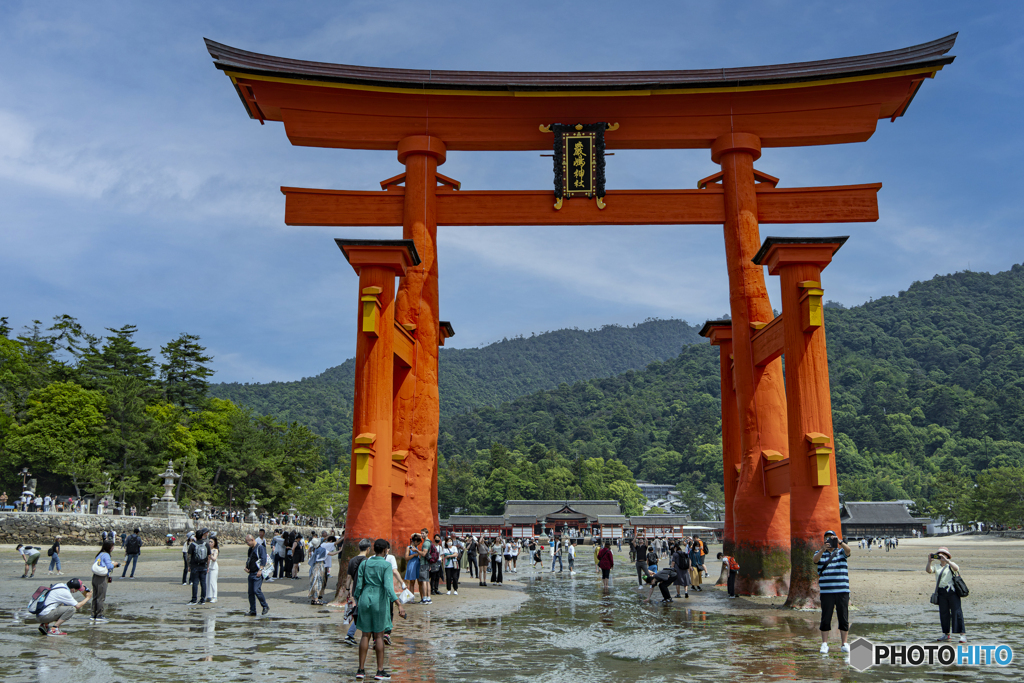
(378, 263)
(760, 521)
(418, 403)
(814, 494)
(719, 332)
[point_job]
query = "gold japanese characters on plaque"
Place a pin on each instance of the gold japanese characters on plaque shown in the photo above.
(579, 160)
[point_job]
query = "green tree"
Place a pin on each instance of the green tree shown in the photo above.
(999, 496)
(631, 501)
(184, 372)
(326, 495)
(119, 356)
(131, 430)
(63, 433)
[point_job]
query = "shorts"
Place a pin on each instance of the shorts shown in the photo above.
(32, 559)
(424, 571)
(605, 573)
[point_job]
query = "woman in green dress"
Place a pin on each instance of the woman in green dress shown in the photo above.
(374, 592)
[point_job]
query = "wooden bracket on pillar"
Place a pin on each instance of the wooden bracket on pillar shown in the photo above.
(399, 473)
(371, 310)
(775, 475)
(447, 331)
(759, 179)
(395, 182)
(363, 453)
(772, 456)
(820, 454)
(810, 305)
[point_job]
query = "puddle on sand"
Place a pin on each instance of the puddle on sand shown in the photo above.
(569, 631)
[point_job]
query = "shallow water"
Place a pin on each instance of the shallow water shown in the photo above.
(570, 630)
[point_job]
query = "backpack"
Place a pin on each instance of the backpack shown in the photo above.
(433, 556)
(200, 552)
(704, 547)
(49, 553)
(733, 564)
(38, 601)
(133, 545)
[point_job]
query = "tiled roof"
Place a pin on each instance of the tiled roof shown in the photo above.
(877, 513)
(543, 508)
(479, 520)
(660, 520)
(612, 519)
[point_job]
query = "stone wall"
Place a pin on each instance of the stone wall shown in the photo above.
(39, 528)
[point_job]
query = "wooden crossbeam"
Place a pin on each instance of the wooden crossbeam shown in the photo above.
(840, 204)
(767, 343)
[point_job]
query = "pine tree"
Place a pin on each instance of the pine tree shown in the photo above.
(186, 378)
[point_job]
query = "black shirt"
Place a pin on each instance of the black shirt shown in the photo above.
(256, 558)
(353, 567)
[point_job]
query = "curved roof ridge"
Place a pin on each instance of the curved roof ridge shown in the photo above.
(930, 54)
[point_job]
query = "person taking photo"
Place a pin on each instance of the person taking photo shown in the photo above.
(951, 615)
(834, 588)
(58, 606)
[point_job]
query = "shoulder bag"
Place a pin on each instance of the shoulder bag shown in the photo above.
(98, 569)
(959, 586)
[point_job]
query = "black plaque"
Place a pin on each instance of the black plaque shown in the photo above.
(579, 161)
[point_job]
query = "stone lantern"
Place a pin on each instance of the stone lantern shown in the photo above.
(166, 506)
(253, 504)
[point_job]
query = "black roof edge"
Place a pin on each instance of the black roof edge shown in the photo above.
(769, 241)
(448, 329)
(409, 244)
(706, 330)
(930, 54)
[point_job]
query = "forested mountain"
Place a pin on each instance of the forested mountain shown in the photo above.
(927, 390)
(470, 378)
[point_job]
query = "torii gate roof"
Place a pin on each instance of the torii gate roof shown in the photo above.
(807, 103)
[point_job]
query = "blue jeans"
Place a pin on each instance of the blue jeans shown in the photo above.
(557, 558)
(54, 562)
(130, 559)
(256, 591)
(352, 629)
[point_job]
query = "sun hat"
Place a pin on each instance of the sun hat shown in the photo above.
(944, 551)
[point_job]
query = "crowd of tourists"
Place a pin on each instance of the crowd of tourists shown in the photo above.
(372, 587)
(888, 542)
(30, 501)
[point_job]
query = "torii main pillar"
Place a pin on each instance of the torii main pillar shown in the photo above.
(760, 522)
(372, 471)
(814, 492)
(417, 412)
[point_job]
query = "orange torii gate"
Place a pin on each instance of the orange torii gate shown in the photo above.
(775, 510)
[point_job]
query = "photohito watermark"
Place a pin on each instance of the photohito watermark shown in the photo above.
(865, 654)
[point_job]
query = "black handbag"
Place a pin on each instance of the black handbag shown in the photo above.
(959, 586)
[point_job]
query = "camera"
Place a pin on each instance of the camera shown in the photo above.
(833, 542)
(933, 556)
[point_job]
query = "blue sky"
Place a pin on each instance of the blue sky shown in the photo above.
(134, 189)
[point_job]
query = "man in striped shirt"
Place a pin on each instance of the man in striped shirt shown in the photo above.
(834, 588)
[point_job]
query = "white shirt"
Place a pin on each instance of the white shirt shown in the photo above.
(572, 551)
(60, 594)
(329, 548)
(392, 561)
